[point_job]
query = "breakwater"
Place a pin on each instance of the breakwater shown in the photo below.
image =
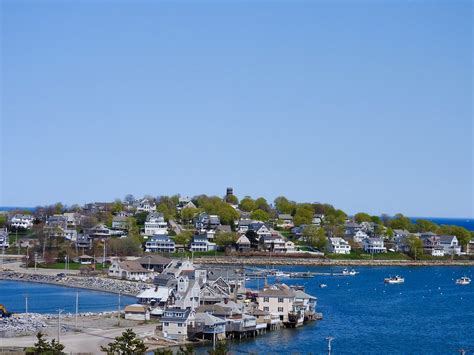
(128, 288)
(326, 262)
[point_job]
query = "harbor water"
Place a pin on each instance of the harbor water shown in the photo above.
(428, 314)
(45, 298)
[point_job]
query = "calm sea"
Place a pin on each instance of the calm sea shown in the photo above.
(428, 314)
(467, 223)
(43, 298)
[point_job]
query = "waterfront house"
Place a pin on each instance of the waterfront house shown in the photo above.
(338, 246)
(243, 243)
(437, 251)
(155, 224)
(187, 292)
(207, 326)
(277, 300)
(129, 270)
(374, 245)
(83, 241)
(260, 229)
(157, 296)
(244, 225)
(174, 323)
(156, 263)
(430, 243)
(201, 243)
(137, 312)
(146, 205)
(160, 244)
(306, 302)
(450, 244)
(273, 243)
(289, 246)
(21, 221)
(285, 221)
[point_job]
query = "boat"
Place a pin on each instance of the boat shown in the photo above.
(463, 281)
(282, 274)
(323, 285)
(394, 280)
(346, 272)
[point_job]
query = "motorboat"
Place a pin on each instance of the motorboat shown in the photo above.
(282, 274)
(346, 272)
(394, 280)
(323, 286)
(463, 281)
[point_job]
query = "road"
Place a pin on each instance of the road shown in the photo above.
(88, 341)
(176, 227)
(16, 266)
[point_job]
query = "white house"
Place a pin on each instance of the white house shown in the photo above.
(129, 270)
(160, 244)
(278, 300)
(285, 221)
(338, 246)
(4, 239)
(290, 246)
(137, 312)
(174, 323)
(22, 221)
(188, 293)
(146, 205)
(359, 236)
(200, 242)
(273, 243)
(450, 244)
(374, 245)
(155, 224)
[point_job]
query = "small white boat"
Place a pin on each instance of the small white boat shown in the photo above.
(323, 286)
(394, 280)
(463, 281)
(346, 272)
(282, 274)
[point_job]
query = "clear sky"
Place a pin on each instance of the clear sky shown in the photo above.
(364, 105)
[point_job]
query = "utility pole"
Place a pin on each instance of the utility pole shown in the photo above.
(59, 322)
(329, 339)
(103, 261)
(77, 307)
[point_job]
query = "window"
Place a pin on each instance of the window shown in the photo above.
(266, 309)
(280, 299)
(266, 299)
(180, 324)
(280, 309)
(166, 324)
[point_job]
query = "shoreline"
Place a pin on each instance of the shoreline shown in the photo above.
(72, 282)
(288, 261)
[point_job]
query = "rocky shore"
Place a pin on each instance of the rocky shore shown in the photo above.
(124, 287)
(275, 261)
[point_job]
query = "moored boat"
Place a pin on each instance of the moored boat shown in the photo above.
(394, 280)
(346, 272)
(463, 281)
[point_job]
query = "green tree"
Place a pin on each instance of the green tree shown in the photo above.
(141, 218)
(232, 199)
(376, 219)
(423, 225)
(283, 205)
(163, 352)
(362, 217)
(117, 206)
(401, 222)
(315, 236)
(303, 214)
(227, 214)
(188, 349)
(127, 344)
(58, 208)
(184, 238)
(44, 347)
(3, 220)
(259, 215)
(262, 204)
(415, 245)
(247, 204)
(187, 214)
(224, 239)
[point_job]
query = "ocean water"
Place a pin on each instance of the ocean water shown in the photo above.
(44, 298)
(467, 223)
(428, 314)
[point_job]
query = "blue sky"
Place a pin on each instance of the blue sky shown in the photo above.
(364, 105)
